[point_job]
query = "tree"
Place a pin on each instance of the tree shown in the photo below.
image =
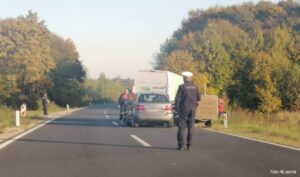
(69, 73)
(34, 61)
(179, 61)
(246, 51)
(265, 89)
(290, 87)
(25, 55)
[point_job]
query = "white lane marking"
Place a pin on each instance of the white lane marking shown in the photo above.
(144, 143)
(115, 123)
(256, 140)
(8, 142)
(106, 116)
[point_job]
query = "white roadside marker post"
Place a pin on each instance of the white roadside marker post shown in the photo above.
(68, 108)
(17, 118)
(225, 117)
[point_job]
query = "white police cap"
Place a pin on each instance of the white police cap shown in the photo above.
(187, 74)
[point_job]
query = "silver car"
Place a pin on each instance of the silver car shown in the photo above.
(151, 108)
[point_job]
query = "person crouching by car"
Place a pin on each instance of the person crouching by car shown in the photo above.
(123, 101)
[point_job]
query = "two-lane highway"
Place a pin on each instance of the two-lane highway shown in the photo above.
(91, 143)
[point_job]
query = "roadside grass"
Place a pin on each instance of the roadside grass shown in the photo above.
(7, 116)
(282, 127)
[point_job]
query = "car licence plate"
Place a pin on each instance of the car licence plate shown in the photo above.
(152, 110)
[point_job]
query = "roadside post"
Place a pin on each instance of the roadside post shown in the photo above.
(68, 108)
(17, 118)
(225, 117)
(23, 110)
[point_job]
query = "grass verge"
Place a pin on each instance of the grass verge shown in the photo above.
(282, 128)
(7, 116)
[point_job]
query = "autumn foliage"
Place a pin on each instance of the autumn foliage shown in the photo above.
(249, 53)
(33, 61)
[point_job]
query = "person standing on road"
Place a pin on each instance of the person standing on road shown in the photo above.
(123, 101)
(45, 102)
(186, 102)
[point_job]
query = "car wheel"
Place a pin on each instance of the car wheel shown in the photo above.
(128, 122)
(134, 124)
(125, 120)
(171, 124)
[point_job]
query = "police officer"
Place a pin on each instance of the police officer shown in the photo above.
(186, 102)
(45, 102)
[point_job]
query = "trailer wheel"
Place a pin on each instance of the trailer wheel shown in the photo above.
(208, 123)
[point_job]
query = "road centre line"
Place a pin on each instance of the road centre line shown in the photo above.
(144, 143)
(115, 123)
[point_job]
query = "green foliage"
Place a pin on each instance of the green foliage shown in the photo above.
(290, 87)
(104, 89)
(249, 52)
(68, 75)
(34, 61)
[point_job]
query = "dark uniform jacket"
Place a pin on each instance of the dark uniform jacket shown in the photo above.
(187, 98)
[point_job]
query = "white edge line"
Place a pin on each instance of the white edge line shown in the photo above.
(115, 123)
(256, 140)
(144, 143)
(9, 141)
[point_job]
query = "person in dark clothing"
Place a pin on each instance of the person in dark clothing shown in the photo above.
(123, 101)
(45, 102)
(186, 102)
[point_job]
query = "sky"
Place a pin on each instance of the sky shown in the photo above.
(115, 37)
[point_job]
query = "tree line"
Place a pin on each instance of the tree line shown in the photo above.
(249, 53)
(34, 61)
(104, 90)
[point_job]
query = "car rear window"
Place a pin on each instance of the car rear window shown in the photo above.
(153, 98)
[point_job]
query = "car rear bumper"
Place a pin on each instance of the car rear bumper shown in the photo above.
(153, 118)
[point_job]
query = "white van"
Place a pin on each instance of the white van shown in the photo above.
(157, 81)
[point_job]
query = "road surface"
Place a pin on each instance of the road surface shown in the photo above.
(91, 143)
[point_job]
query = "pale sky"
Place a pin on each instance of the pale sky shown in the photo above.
(116, 37)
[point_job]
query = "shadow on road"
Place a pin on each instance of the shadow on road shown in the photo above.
(92, 144)
(90, 122)
(94, 122)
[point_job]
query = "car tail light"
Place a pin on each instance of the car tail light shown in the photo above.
(168, 108)
(139, 107)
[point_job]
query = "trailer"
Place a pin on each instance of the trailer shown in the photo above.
(207, 110)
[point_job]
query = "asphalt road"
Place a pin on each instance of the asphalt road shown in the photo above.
(90, 143)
